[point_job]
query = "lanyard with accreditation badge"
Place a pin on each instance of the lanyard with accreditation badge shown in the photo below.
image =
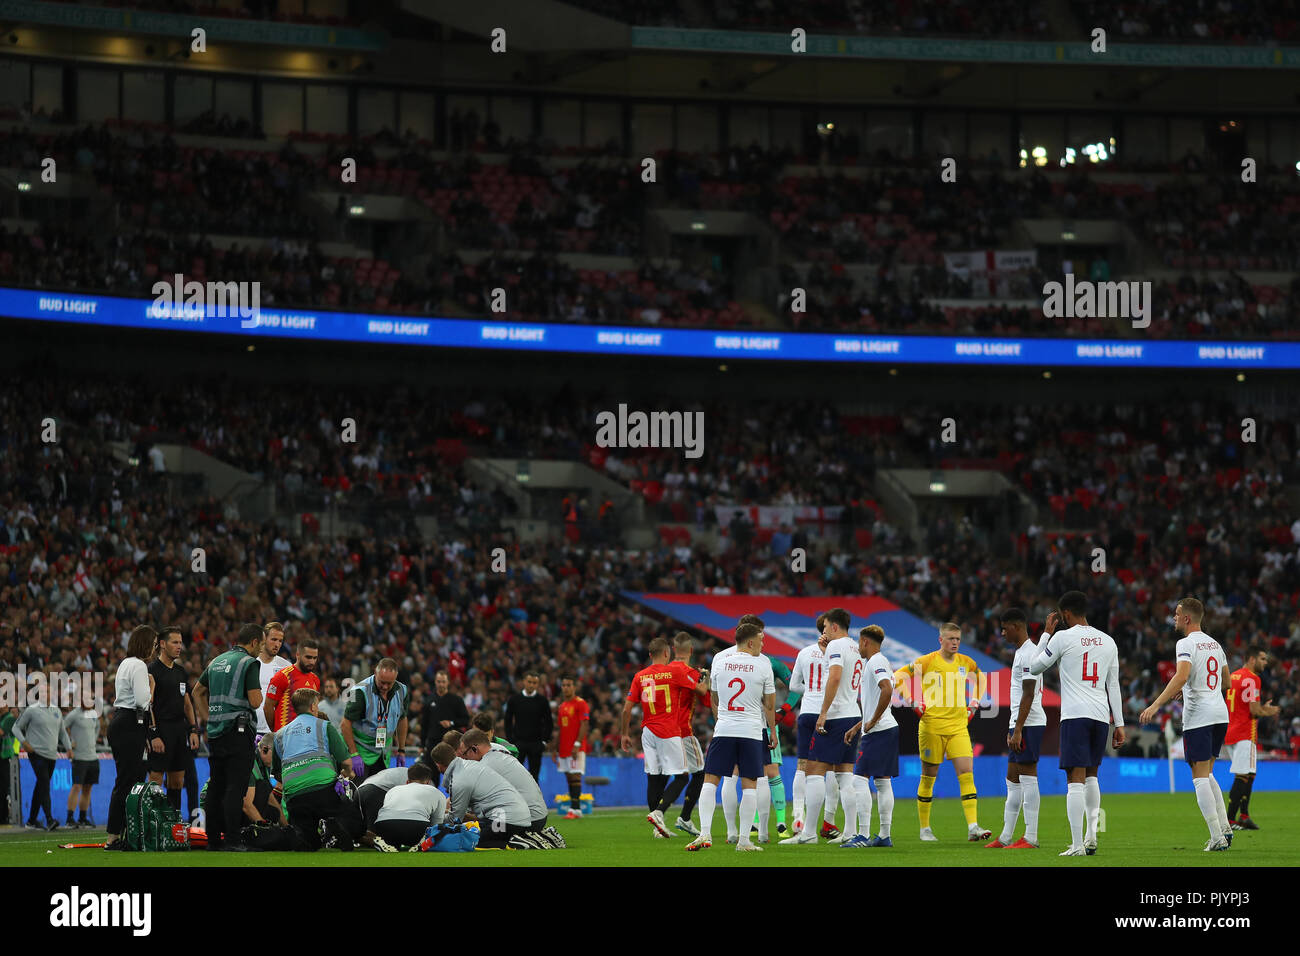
(381, 732)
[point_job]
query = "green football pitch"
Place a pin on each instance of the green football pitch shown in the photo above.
(1141, 830)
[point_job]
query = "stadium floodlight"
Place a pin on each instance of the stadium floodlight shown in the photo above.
(24, 186)
(937, 485)
(825, 129)
(522, 471)
(357, 210)
(699, 225)
(1040, 155)
(1024, 159)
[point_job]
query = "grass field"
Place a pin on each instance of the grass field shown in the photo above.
(1141, 830)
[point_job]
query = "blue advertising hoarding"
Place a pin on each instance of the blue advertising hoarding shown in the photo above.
(714, 344)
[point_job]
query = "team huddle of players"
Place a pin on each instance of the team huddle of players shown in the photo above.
(848, 740)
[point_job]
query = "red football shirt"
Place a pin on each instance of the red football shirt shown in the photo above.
(572, 714)
(653, 687)
(1243, 690)
(684, 698)
(280, 691)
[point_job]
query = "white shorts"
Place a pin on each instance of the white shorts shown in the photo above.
(575, 764)
(692, 753)
(663, 755)
(1243, 756)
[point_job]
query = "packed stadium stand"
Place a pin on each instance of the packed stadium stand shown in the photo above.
(95, 541)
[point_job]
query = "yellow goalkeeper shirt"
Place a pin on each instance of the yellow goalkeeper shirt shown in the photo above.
(942, 686)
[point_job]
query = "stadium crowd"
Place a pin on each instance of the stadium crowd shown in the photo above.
(92, 545)
(525, 214)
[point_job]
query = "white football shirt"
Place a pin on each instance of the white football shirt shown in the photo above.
(1025, 655)
(741, 681)
(1089, 662)
(809, 676)
(267, 671)
(877, 669)
(843, 651)
(1203, 704)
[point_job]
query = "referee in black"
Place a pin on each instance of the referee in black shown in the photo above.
(528, 722)
(174, 735)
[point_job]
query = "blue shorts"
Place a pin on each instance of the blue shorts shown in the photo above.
(878, 754)
(1031, 745)
(728, 753)
(805, 727)
(1203, 743)
(1083, 742)
(830, 746)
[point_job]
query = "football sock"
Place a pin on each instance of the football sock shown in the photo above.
(800, 789)
(673, 791)
(693, 790)
(966, 786)
(1220, 811)
(575, 795)
(885, 797)
(1235, 796)
(174, 798)
(1245, 798)
(747, 806)
(1092, 803)
(777, 786)
(924, 794)
(849, 798)
(763, 799)
(816, 796)
(1205, 800)
(832, 797)
(1011, 813)
(730, 804)
(1074, 811)
(1032, 801)
(708, 803)
(654, 789)
(862, 794)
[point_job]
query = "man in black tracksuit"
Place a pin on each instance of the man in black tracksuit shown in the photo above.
(528, 723)
(443, 711)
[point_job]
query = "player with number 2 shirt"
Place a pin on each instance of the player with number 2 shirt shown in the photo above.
(744, 701)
